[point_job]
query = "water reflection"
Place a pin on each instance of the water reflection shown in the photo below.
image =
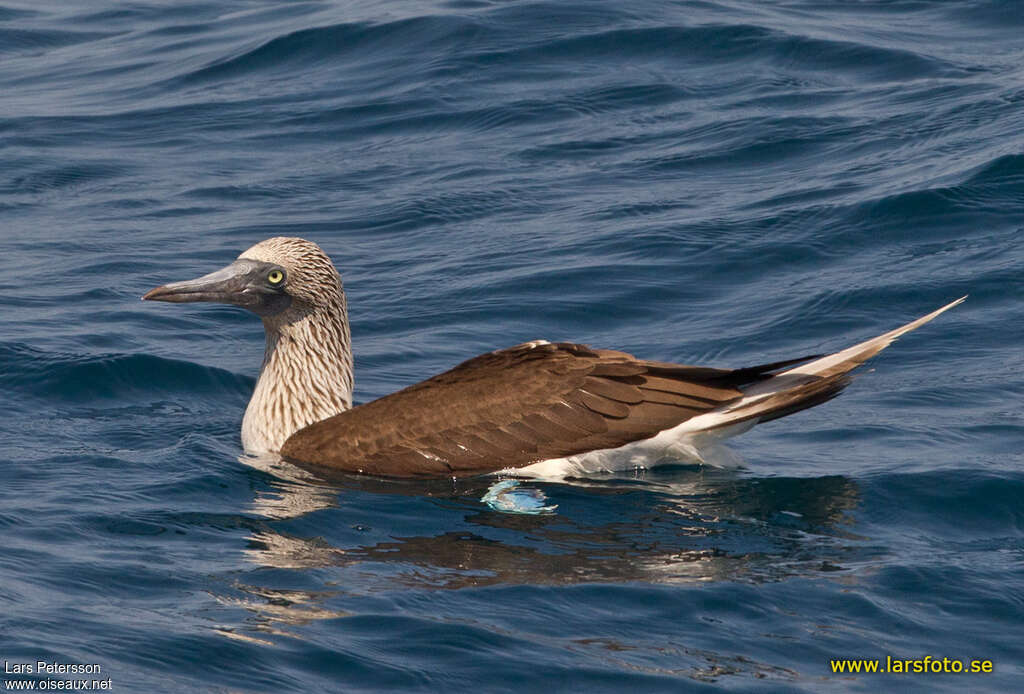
(273, 610)
(679, 525)
(293, 492)
(685, 524)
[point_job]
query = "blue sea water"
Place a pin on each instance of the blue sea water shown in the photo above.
(718, 182)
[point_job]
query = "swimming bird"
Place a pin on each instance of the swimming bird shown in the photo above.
(536, 408)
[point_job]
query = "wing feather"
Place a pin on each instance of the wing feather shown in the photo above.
(516, 406)
(603, 406)
(613, 390)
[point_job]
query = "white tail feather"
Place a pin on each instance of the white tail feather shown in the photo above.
(831, 365)
(860, 353)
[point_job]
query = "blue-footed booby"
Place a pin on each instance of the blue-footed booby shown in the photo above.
(537, 408)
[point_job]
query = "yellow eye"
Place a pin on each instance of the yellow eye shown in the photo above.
(275, 277)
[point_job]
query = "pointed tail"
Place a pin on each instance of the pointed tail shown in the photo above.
(814, 382)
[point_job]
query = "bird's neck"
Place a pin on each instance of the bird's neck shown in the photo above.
(306, 377)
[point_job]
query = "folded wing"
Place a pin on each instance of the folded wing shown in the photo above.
(517, 406)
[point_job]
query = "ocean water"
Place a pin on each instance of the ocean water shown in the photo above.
(715, 182)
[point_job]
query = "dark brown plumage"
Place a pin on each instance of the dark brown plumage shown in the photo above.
(517, 406)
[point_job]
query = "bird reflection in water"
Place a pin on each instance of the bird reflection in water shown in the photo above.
(293, 492)
(668, 525)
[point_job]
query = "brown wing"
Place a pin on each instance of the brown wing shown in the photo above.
(514, 407)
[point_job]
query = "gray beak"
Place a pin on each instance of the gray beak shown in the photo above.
(242, 283)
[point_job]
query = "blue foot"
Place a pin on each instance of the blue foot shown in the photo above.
(508, 497)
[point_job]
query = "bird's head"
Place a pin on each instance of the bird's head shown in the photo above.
(274, 278)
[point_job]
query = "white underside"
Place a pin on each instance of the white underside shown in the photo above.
(685, 443)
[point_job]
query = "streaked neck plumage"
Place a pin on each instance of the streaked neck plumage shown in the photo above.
(306, 374)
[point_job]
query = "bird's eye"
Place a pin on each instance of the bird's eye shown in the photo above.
(275, 277)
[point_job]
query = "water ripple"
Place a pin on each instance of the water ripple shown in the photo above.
(705, 181)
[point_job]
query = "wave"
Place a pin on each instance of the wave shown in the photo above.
(30, 372)
(33, 41)
(317, 46)
(451, 45)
